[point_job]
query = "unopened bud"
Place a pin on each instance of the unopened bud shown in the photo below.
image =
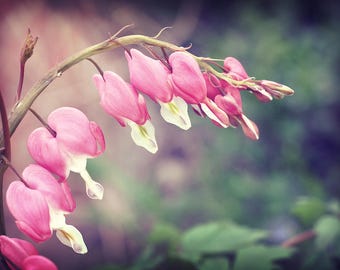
(260, 92)
(277, 90)
(27, 49)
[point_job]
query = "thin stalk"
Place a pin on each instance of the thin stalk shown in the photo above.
(97, 67)
(21, 108)
(42, 121)
(5, 129)
(21, 80)
(3, 165)
(298, 239)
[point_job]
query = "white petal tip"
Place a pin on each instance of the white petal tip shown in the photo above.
(144, 136)
(176, 113)
(95, 191)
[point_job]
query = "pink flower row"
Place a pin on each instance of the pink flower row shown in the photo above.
(174, 83)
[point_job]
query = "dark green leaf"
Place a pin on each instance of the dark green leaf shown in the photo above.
(214, 264)
(218, 237)
(327, 229)
(308, 209)
(260, 257)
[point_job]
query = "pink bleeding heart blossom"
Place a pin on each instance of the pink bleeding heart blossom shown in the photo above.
(20, 254)
(150, 76)
(235, 69)
(127, 106)
(39, 205)
(228, 99)
(186, 78)
(76, 140)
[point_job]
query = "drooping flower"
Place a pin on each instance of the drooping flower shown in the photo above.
(186, 78)
(20, 254)
(231, 103)
(76, 140)
(235, 69)
(228, 99)
(39, 205)
(127, 106)
(189, 83)
(150, 76)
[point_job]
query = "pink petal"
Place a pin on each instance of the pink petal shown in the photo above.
(249, 127)
(75, 132)
(120, 100)
(44, 149)
(213, 84)
(38, 262)
(16, 250)
(149, 76)
(187, 78)
(58, 195)
(215, 113)
(99, 137)
(31, 211)
(231, 102)
(235, 69)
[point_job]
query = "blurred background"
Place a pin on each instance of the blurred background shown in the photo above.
(206, 173)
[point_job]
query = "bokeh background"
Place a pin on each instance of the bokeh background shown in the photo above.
(206, 173)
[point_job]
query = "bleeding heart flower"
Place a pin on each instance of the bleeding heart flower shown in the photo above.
(127, 106)
(39, 205)
(150, 76)
(20, 254)
(235, 69)
(76, 140)
(228, 99)
(186, 78)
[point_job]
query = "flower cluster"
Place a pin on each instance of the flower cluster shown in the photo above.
(176, 82)
(40, 201)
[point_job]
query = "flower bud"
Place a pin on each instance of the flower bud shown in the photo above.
(277, 90)
(27, 49)
(234, 68)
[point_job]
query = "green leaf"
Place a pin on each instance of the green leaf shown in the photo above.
(308, 209)
(175, 263)
(260, 257)
(327, 229)
(214, 264)
(218, 237)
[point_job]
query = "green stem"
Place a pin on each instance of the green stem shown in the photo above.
(22, 106)
(21, 80)
(25, 103)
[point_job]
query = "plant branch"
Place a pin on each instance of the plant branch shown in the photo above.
(113, 42)
(25, 103)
